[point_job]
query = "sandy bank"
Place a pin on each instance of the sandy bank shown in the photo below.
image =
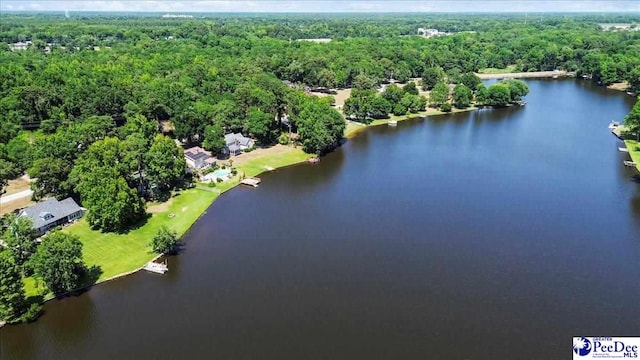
(528, 75)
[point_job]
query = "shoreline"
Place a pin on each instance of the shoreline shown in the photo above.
(248, 169)
(235, 181)
(630, 144)
(528, 75)
(357, 127)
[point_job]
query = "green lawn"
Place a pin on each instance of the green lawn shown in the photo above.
(352, 128)
(428, 112)
(119, 253)
(509, 69)
(116, 254)
(634, 151)
(259, 165)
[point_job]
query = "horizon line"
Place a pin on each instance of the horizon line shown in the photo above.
(624, 12)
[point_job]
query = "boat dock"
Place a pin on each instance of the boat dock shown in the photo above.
(314, 160)
(157, 268)
(621, 149)
(251, 182)
(629, 163)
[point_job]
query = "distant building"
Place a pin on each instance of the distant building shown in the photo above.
(51, 213)
(431, 32)
(198, 158)
(236, 143)
(20, 45)
(317, 41)
(183, 16)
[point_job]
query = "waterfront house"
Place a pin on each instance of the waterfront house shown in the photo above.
(198, 158)
(236, 143)
(51, 213)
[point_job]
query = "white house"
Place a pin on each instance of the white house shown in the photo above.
(198, 158)
(236, 143)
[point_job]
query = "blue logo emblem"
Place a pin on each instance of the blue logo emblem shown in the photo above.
(582, 346)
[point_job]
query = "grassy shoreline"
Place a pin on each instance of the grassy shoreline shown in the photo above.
(634, 151)
(354, 128)
(122, 254)
(632, 145)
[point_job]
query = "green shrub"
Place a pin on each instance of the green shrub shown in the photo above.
(32, 313)
(284, 139)
(165, 241)
(446, 107)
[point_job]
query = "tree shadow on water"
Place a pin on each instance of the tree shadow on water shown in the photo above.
(89, 278)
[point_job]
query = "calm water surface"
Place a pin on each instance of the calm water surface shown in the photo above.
(497, 234)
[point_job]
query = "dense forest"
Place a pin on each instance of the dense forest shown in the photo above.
(99, 107)
(93, 90)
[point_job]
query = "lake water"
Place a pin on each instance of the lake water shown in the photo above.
(495, 234)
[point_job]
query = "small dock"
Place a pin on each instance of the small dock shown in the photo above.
(621, 149)
(314, 160)
(629, 163)
(393, 123)
(251, 182)
(157, 268)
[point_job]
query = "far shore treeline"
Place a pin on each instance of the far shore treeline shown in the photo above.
(98, 107)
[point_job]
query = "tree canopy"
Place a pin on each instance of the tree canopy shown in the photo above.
(12, 298)
(165, 241)
(58, 262)
(320, 126)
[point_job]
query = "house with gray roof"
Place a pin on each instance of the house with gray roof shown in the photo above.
(236, 143)
(51, 213)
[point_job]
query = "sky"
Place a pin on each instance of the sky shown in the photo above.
(179, 6)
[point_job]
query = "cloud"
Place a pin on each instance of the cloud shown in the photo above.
(324, 6)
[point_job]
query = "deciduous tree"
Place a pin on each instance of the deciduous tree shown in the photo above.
(12, 298)
(20, 237)
(462, 96)
(632, 120)
(165, 163)
(213, 138)
(439, 94)
(320, 126)
(498, 95)
(432, 76)
(58, 262)
(165, 241)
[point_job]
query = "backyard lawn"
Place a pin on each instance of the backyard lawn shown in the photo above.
(287, 156)
(634, 151)
(115, 254)
(508, 69)
(119, 253)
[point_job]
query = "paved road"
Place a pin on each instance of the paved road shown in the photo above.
(19, 195)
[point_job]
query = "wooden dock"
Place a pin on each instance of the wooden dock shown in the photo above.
(621, 149)
(251, 182)
(156, 267)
